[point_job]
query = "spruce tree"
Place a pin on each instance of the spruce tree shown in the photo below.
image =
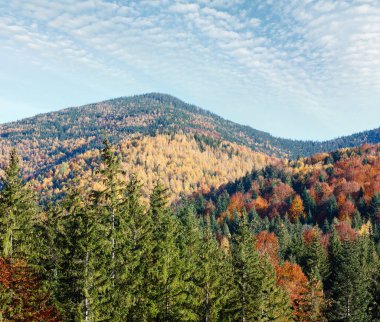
(134, 251)
(76, 240)
(213, 281)
(349, 295)
(166, 289)
(190, 242)
(314, 260)
(256, 296)
(17, 215)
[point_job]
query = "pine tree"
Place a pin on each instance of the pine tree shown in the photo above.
(134, 250)
(106, 208)
(374, 208)
(17, 215)
(349, 296)
(189, 242)
(314, 259)
(256, 296)
(213, 282)
(309, 203)
(166, 283)
(76, 240)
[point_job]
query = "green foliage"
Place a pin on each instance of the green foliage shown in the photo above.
(350, 297)
(17, 214)
(256, 295)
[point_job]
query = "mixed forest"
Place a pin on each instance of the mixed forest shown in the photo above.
(294, 240)
(150, 209)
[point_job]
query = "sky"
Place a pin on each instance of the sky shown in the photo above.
(297, 69)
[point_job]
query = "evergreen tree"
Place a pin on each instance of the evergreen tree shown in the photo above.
(349, 295)
(190, 243)
(134, 268)
(213, 280)
(76, 240)
(374, 208)
(309, 203)
(256, 298)
(166, 287)
(17, 215)
(314, 260)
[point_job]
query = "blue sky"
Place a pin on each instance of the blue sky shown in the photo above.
(299, 69)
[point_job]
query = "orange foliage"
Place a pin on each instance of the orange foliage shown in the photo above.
(346, 210)
(309, 235)
(261, 205)
(294, 281)
(236, 202)
(25, 299)
(267, 244)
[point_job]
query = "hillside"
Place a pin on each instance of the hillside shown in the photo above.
(303, 235)
(342, 185)
(182, 163)
(49, 139)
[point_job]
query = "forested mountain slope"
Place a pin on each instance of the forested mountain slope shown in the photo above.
(342, 185)
(49, 139)
(182, 163)
(318, 217)
(293, 241)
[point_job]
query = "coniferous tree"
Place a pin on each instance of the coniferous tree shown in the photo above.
(349, 295)
(133, 264)
(254, 283)
(17, 215)
(189, 241)
(77, 236)
(213, 280)
(314, 259)
(166, 283)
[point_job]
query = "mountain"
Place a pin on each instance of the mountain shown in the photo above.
(48, 140)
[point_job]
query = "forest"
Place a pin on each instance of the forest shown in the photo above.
(296, 240)
(50, 139)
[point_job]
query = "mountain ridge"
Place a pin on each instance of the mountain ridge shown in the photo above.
(49, 139)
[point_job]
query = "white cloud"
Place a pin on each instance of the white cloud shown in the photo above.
(306, 50)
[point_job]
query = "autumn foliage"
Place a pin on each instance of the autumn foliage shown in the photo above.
(22, 297)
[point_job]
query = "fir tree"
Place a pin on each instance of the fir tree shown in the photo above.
(166, 282)
(350, 284)
(213, 288)
(17, 215)
(256, 295)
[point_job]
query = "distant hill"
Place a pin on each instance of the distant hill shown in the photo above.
(182, 163)
(339, 184)
(48, 140)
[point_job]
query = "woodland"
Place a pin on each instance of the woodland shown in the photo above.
(289, 240)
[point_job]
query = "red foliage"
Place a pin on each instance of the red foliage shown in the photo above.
(345, 231)
(309, 235)
(346, 210)
(321, 191)
(23, 297)
(267, 244)
(236, 202)
(294, 281)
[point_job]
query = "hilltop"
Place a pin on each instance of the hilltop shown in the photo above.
(48, 140)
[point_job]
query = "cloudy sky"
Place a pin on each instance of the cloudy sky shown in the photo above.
(299, 69)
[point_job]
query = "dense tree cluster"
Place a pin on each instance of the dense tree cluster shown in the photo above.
(48, 140)
(190, 163)
(317, 220)
(264, 248)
